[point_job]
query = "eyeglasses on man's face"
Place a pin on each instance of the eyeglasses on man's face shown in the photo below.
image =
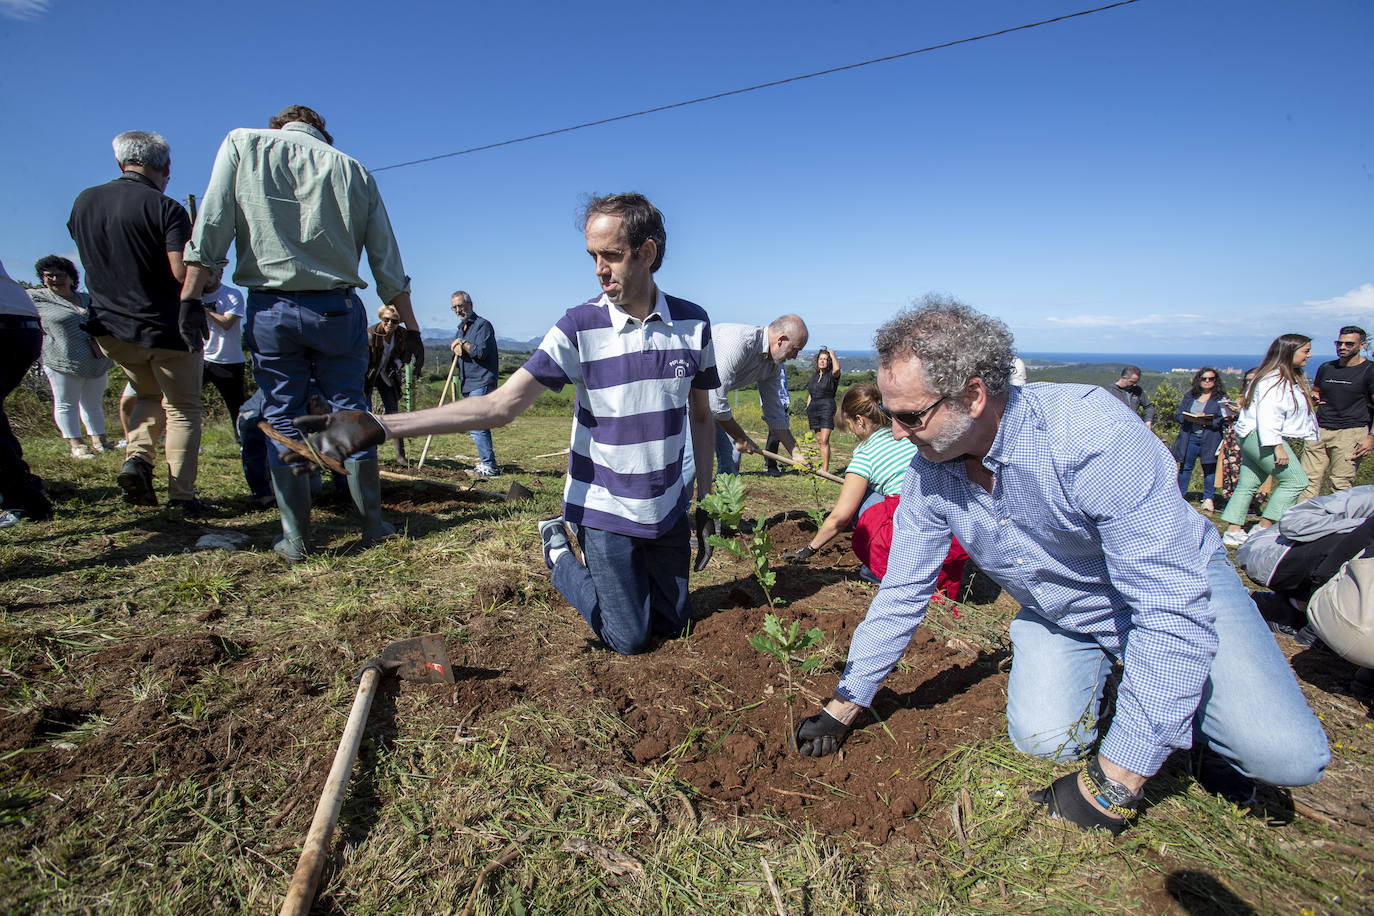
(1347, 343)
(913, 419)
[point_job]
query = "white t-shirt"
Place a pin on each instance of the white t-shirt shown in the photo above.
(225, 347)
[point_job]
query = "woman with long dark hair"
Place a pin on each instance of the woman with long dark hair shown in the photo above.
(820, 401)
(1275, 406)
(1200, 414)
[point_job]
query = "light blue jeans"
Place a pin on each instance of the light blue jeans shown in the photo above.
(1252, 711)
(481, 438)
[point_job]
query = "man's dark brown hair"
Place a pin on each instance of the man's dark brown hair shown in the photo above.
(304, 115)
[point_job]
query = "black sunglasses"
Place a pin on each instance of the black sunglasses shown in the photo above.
(914, 419)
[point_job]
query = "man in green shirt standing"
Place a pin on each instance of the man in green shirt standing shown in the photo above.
(301, 213)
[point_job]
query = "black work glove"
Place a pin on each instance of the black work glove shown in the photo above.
(341, 433)
(705, 527)
(798, 556)
(415, 349)
(1063, 800)
(193, 325)
(820, 736)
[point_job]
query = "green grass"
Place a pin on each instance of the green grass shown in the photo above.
(436, 799)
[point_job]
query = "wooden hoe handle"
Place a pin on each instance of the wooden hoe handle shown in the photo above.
(301, 892)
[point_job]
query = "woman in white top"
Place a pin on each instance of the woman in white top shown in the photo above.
(1275, 406)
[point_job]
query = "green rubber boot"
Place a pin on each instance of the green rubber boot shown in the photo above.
(365, 485)
(293, 500)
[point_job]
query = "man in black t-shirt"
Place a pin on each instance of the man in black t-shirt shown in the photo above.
(1344, 388)
(130, 236)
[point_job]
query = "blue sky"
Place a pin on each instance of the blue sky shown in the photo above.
(1169, 176)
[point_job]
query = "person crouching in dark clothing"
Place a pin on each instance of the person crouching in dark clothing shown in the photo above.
(386, 368)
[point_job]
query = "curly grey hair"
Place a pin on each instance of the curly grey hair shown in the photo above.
(141, 147)
(953, 342)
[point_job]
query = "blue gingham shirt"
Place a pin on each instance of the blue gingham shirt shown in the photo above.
(1085, 527)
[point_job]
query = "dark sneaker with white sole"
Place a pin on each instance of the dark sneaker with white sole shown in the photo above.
(554, 536)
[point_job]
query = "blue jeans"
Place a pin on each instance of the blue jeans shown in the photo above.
(295, 337)
(253, 447)
(1252, 711)
(1193, 451)
(727, 456)
(632, 589)
(481, 438)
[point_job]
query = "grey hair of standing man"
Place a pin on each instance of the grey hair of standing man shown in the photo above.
(953, 342)
(142, 147)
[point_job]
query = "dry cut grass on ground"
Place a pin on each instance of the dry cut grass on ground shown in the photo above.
(169, 714)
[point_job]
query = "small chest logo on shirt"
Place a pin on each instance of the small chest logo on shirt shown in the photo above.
(679, 368)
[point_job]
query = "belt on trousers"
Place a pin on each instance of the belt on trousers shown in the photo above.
(336, 291)
(18, 323)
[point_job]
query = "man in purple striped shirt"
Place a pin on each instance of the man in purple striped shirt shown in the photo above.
(642, 363)
(1063, 498)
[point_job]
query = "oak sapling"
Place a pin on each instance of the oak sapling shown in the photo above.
(726, 505)
(788, 646)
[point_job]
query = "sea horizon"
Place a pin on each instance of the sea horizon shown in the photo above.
(1151, 362)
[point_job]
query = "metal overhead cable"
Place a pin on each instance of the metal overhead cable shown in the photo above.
(756, 88)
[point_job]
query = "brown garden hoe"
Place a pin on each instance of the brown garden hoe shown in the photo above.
(424, 658)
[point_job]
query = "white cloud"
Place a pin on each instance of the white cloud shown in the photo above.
(1117, 320)
(23, 9)
(1356, 301)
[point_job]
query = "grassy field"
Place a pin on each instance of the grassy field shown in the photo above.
(169, 714)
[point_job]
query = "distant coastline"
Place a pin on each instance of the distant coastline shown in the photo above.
(1231, 363)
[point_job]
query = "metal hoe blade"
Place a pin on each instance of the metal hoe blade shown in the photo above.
(423, 658)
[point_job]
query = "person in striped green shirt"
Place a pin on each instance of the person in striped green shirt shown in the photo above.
(875, 471)
(874, 477)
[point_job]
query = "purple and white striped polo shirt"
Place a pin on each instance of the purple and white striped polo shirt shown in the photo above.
(634, 379)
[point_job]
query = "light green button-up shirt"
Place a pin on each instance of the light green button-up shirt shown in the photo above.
(300, 213)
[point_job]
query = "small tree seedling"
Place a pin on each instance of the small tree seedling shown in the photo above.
(726, 505)
(788, 646)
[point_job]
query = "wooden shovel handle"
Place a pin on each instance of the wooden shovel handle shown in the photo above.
(801, 464)
(301, 892)
(442, 394)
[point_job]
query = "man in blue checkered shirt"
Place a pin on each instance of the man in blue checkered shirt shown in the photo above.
(1071, 504)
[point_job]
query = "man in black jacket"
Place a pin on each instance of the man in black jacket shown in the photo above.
(130, 236)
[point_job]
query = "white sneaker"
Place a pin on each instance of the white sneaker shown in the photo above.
(1234, 538)
(484, 471)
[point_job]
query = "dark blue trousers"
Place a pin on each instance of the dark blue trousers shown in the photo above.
(632, 589)
(295, 337)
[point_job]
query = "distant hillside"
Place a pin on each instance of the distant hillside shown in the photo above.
(444, 336)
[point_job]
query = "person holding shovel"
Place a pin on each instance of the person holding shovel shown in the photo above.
(304, 312)
(642, 363)
(478, 363)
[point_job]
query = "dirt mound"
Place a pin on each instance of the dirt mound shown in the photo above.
(737, 753)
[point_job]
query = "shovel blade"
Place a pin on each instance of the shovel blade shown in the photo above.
(423, 658)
